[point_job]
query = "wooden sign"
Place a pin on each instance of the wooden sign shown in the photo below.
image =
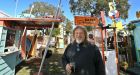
(86, 21)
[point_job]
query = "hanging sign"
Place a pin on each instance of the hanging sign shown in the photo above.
(86, 21)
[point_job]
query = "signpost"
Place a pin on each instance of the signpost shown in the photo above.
(86, 21)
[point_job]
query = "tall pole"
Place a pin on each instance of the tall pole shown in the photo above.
(103, 55)
(50, 35)
(31, 9)
(116, 49)
(16, 8)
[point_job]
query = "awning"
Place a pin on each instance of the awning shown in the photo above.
(32, 23)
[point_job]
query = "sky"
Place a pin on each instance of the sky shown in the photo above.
(8, 6)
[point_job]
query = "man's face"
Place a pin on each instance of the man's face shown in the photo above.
(79, 35)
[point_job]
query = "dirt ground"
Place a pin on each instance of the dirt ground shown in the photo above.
(51, 66)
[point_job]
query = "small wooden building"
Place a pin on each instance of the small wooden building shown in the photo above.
(13, 39)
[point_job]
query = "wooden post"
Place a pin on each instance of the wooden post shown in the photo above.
(103, 55)
(116, 49)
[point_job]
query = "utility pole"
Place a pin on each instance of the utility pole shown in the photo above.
(16, 7)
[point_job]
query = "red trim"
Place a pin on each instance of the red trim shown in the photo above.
(30, 23)
(32, 19)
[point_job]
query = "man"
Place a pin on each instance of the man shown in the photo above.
(82, 58)
(91, 39)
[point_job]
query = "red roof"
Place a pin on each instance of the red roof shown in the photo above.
(32, 22)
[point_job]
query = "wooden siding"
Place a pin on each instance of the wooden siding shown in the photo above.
(8, 63)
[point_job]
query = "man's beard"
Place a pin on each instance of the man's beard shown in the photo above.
(79, 41)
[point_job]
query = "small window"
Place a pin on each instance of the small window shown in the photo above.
(10, 39)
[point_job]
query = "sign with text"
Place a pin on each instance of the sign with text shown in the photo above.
(86, 20)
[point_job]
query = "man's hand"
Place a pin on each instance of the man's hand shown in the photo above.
(68, 68)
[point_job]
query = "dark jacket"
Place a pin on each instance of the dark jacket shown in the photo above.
(87, 59)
